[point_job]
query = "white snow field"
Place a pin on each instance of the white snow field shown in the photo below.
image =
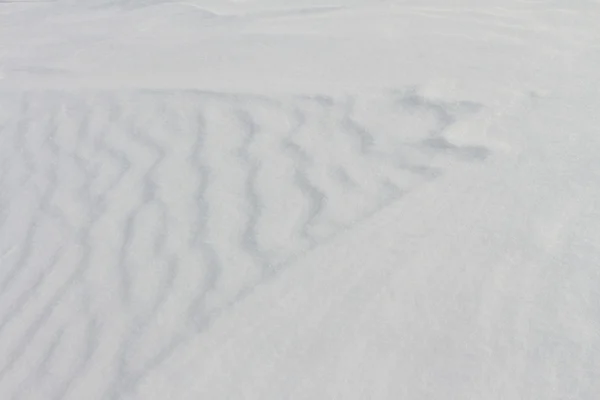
(272, 200)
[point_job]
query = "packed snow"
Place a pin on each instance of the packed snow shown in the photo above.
(271, 199)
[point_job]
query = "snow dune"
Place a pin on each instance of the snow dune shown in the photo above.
(299, 200)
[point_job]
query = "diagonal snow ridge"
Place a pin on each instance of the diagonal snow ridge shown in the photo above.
(130, 220)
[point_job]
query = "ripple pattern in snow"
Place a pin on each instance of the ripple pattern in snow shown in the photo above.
(130, 220)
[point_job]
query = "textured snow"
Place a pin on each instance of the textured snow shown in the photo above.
(276, 199)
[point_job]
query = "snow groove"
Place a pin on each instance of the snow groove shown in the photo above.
(101, 186)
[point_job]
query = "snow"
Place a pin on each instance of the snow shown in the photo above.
(270, 199)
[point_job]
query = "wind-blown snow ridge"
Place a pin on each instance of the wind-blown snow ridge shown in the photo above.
(154, 212)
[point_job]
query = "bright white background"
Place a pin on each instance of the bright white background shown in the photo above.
(311, 200)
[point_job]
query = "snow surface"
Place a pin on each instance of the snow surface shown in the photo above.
(343, 199)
